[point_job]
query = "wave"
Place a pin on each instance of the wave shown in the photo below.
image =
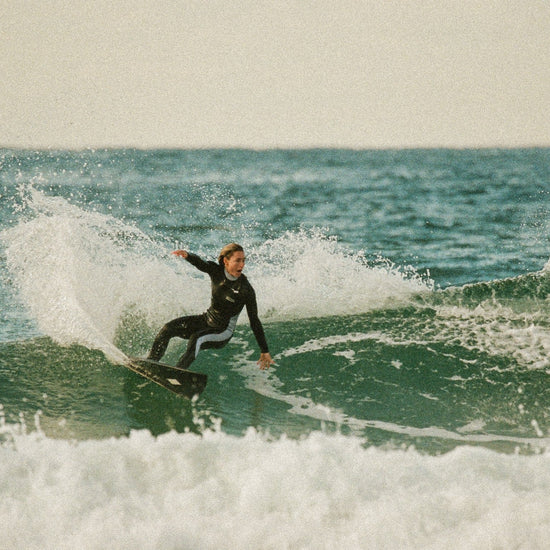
(380, 375)
(361, 344)
(531, 286)
(91, 279)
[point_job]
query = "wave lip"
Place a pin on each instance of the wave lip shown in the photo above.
(307, 274)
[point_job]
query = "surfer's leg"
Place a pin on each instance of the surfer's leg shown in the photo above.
(182, 327)
(188, 357)
(204, 339)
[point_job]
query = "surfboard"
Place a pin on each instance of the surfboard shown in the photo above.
(183, 382)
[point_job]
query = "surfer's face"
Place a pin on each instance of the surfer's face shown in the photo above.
(235, 264)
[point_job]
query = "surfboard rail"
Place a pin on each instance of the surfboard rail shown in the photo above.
(182, 382)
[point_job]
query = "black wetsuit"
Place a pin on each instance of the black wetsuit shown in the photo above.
(214, 328)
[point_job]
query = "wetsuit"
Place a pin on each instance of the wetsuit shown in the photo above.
(214, 328)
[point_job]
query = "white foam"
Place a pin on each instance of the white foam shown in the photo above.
(317, 344)
(221, 492)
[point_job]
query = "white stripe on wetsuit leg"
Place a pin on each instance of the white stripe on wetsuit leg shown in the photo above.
(217, 336)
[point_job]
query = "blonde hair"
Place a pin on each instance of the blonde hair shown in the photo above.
(228, 250)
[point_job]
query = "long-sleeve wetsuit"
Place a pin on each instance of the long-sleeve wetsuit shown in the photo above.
(214, 328)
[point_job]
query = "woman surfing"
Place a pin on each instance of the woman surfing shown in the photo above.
(231, 292)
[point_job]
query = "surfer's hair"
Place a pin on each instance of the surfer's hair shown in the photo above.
(228, 250)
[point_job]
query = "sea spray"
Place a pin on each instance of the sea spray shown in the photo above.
(308, 274)
(78, 272)
(81, 273)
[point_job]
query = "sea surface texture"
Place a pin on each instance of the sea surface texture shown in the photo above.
(405, 299)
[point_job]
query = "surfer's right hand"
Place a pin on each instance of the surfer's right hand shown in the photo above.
(181, 253)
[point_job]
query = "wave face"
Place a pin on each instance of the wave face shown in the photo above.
(405, 299)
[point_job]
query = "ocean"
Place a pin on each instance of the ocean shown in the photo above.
(405, 295)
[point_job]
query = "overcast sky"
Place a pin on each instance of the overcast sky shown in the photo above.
(182, 73)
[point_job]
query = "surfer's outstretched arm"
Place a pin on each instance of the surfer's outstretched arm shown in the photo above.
(196, 261)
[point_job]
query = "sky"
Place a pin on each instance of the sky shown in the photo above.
(277, 74)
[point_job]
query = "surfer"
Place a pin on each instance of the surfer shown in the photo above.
(231, 292)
